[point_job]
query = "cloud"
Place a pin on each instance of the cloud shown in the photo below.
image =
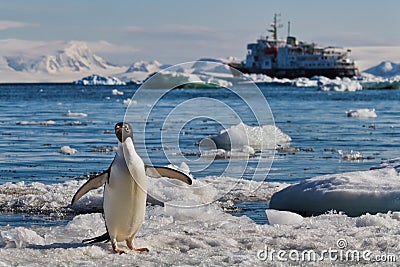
(192, 32)
(110, 48)
(9, 24)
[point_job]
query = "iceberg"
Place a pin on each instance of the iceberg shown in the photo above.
(354, 193)
(248, 138)
(99, 80)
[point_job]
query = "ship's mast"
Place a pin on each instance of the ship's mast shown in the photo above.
(274, 27)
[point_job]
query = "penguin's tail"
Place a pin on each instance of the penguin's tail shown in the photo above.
(102, 238)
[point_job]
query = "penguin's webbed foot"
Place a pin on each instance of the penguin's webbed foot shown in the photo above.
(132, 247)
(119, 251)
(116, 249)
(141, 249)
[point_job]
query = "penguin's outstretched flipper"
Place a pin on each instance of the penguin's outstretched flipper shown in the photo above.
(93, 183)
(157, 172)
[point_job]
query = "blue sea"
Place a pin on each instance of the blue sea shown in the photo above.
(34, 125)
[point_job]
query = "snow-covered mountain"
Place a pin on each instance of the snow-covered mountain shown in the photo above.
(386, 69)
(75, 57)
(140, 70)
(144, 66)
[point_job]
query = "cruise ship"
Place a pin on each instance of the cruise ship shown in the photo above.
(292, 58)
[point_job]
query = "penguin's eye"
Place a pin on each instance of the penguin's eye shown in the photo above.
(126, 128)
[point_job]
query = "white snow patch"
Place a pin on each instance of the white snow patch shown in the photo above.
(283, 217)
(20, 237)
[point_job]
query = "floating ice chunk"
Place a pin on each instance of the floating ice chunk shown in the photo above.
(352, 155)
(243, 136)
(362, 113)
(116, 92)
(262, 78)
(244, 153)
(75, 114)
(20, 237)
(66, 150)
(129, 101)
(305, 82)
(338, 84)
(283, 217)
(44, 123)
(354, 193)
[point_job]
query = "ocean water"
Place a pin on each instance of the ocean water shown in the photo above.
(316, 121)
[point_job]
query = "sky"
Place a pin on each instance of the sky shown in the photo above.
(176, 31)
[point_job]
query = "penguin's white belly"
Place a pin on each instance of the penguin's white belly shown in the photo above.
(124, 204)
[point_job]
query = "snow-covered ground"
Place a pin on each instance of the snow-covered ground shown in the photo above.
(208, 235)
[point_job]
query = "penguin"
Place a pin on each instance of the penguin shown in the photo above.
(125, 192)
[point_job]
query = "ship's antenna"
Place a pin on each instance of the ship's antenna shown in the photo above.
(288, 28)
(275, 26)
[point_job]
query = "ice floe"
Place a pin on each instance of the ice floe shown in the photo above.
(362, 113)
(67, 150)
(353, 193)
(338, 84)
(75, 114)
(44, 123)
(350, 155)
(206, 235)
(129, 101)
(116, 92)
(247, 139)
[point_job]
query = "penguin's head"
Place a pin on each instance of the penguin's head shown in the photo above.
(123, 130)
